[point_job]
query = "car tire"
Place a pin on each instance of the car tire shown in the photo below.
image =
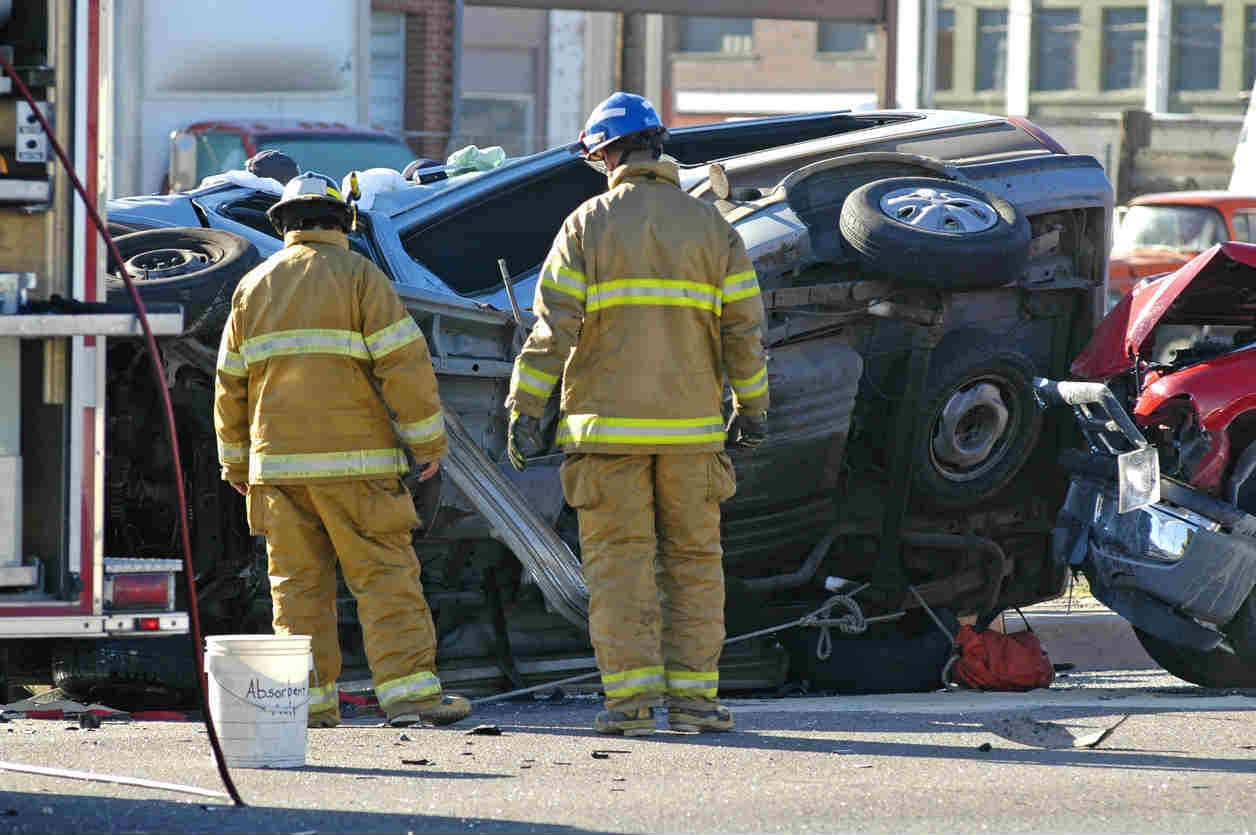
(979, 420)
(971, 238)
(137, 673)
(1216, 668)
(197, 268)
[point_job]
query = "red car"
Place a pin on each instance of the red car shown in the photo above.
(1161, 232)
(1161, 509)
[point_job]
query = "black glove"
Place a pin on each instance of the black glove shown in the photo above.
(747, 429)
(523, 441)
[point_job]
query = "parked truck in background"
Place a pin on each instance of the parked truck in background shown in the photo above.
(178, 66)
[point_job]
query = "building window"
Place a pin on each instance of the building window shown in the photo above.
(991, 49)
(848, 37)
(717, 34)
(1196, 47)
(1055, 48)
(1249, 49)
(944, 65)
(504, 119)
(1124, 49)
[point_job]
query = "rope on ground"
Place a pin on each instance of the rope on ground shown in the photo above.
(854, 622)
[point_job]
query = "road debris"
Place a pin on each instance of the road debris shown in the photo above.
(1051, 735)
(417, 762)
(605, 753)
(1093, 740)
(89, 721)
(485, 730)
(985, 746)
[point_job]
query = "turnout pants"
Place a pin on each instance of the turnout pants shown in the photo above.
(650, 546)
(366, 526)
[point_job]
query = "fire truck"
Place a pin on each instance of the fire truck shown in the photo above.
(59, 590)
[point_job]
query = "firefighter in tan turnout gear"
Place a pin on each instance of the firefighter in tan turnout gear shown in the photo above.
(316, 336)
(646, 301)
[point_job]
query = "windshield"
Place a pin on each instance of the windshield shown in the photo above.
(336, 156)
(1187, 228)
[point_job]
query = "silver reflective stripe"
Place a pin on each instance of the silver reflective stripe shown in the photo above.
(532, 381)
(422, 431)
(383, 342)
(229, 362)
(740, 286)
(361, 462)
(620, 685)
(409, 688)
(307, 341)
(232, 453)
(674, 683)
(568, 281)
(324, 698)
(655, 291)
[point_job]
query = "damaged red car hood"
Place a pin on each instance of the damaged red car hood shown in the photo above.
(1121, 334)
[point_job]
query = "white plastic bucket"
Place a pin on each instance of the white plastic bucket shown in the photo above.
(259, 697)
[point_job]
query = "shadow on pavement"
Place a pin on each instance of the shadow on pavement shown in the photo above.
(55, 814)
(396, 772)
(771, 731)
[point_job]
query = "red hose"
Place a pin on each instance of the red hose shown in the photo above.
(160, 380)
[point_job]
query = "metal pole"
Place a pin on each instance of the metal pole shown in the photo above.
(455, 84)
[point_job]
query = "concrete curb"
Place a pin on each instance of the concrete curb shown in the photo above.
(1089, 639)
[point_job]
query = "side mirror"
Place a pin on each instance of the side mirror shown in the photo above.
(182, 173)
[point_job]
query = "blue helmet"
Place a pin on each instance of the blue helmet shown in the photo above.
(621, 115)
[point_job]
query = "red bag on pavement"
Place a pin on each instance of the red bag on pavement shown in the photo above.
(990, 660)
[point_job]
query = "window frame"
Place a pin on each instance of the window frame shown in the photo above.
(529, 101)
(1176, 47)
(1000, 85)
(1040, 31)
(1105, 49)
(683, 50)
(866, 52)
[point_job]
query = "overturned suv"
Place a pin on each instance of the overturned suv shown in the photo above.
(1161, 510)
(918, 271)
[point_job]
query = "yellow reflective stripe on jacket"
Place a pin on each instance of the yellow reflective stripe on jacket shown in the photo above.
(386, 340)
(632, 682)
(740, 286)
(689, 683)
(606, 430)
(304, 341)
(423, 431)
(229, 362)
(413, 688)
(359, 462)
(229, 453)
(324, 698)
(655, 291)
(567, 281)
(533, 380)
(751, 386)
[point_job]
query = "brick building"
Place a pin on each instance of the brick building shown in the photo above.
(726, 68)
(528, 76)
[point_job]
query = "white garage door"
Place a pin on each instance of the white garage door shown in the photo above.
(388, 50)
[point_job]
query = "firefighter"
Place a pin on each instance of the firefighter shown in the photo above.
(316, 343)
(646, 301)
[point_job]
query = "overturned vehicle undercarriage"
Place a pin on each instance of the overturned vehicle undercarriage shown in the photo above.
(918, 272)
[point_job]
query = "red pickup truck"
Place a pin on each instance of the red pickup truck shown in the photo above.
(331, 148)
(1161, 232)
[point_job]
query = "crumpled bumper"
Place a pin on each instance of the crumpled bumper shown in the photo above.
(1163, 567)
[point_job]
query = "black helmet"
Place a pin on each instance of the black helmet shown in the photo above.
(309, 196)
(273, 164)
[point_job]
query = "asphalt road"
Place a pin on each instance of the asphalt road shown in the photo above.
(1183, 761)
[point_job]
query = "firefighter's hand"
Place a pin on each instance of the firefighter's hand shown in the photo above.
(428, 470)
(747, 429)
(523, 440)
(241, 487)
